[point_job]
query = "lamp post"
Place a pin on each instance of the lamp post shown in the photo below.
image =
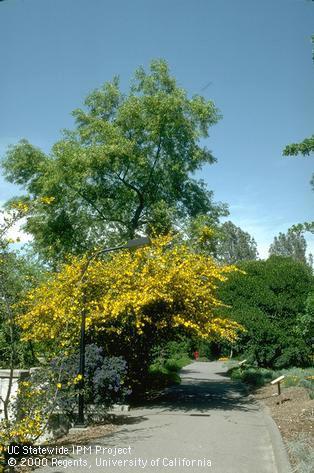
(136, 243)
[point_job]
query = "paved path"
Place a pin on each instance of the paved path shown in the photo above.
(207, 424)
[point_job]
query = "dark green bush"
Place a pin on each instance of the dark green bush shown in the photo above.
(268, 300)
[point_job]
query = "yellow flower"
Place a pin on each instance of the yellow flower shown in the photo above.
(126, 288)
(77, 379)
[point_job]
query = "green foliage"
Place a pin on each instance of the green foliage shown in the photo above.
(299, 378)
(18, 275)
(268, 300)
(205, 349)
(278, 287)
(235, 244)
(305, 147)
(257, 377)
(159, 378)
(167, 360)
(291, 244)
(303, 227)
(305, 322)
(226, 242)
(125, 169)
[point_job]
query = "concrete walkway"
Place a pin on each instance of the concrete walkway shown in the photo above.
(208, 423)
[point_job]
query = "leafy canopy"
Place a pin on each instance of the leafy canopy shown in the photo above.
(305, 148)
(125, 169)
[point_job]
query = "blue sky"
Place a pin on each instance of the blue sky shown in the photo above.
(252, 58)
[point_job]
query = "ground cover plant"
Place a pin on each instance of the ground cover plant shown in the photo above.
(293, 412)
(302, 453)
(256, 376)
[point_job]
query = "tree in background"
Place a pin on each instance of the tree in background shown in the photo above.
(290, 244)
(125, 169)
(19, 273)
(235, 244)
(225, 242)
(269, 300)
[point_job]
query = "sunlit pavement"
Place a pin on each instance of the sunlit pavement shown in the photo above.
(208, 423)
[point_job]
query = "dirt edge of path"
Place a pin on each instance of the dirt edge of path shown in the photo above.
(292, 412)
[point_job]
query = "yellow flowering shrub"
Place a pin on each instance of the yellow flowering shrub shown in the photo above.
(29, 418)
(163, 286)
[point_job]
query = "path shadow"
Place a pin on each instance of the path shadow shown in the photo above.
(125, 419)
(201, 395)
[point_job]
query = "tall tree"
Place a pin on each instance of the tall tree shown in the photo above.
(291, 244)
(125, 169)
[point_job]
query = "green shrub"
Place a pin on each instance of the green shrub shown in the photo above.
(268, 300)
(175, 364)
(255, 377)
(168, 359)
(299, 377)
(160, 377)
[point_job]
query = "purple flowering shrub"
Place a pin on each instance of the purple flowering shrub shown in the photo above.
(104, 380)
(104, 377)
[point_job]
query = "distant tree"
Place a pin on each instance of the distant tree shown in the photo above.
(125, 169)
(291, 244)
(235, 244)
(225, 242)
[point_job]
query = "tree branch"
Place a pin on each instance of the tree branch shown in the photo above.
(89, 201)
(130, 186)
(155, 161)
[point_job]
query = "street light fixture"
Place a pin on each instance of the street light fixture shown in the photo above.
(135, 243)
